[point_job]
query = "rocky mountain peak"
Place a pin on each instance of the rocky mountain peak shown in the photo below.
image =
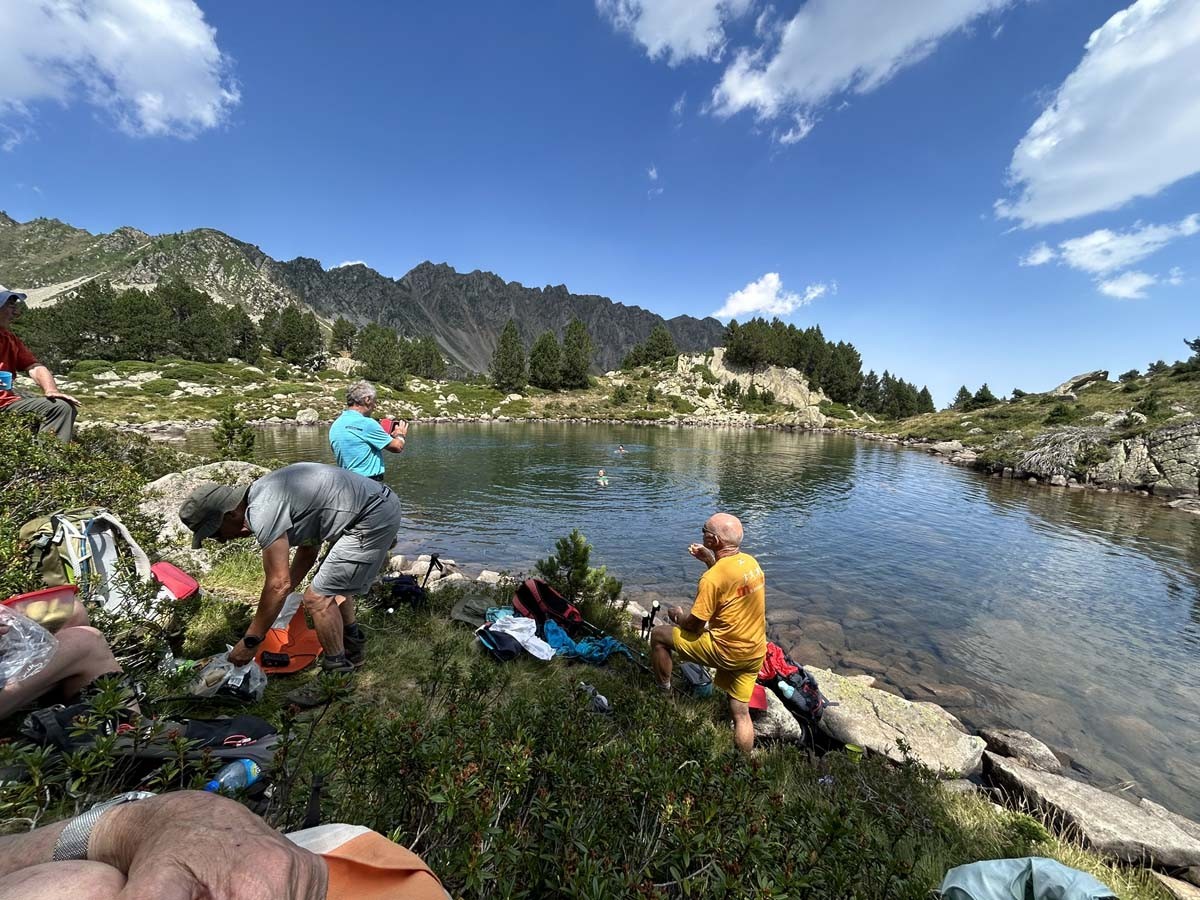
(7, 221)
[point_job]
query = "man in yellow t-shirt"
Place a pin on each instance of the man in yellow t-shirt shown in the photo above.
(726, 628)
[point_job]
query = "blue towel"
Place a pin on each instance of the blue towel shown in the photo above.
(593, 650)
(496, 613)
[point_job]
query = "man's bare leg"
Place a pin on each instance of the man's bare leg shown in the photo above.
(81, 657)
(327, 620)
(662, 642)
(743, 726)
(346, 608)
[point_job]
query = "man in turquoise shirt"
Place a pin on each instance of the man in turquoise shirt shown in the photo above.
(358, 440)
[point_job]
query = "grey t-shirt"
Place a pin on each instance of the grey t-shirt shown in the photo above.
(309, 502)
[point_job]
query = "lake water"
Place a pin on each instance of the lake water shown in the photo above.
(1072, 614)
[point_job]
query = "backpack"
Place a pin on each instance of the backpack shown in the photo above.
(239, 737)
(81, 546)
(697, 678)
(537, 600)
(806, 701)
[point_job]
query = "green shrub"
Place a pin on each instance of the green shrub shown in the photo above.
(681, 405)
(283, 373)
(101, 468)
(195, 372)
(704, 391)
(705, 373)
(621, 395)
(1062, 414)
(837, 411)
(652, 396)
(160, 386)
(591, 589)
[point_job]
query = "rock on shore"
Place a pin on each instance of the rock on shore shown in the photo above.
(164, 496)
(883, 722)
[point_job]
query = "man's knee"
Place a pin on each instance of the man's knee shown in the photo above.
(663, 636)
(83, 642)
(740, 709)
(317, 603)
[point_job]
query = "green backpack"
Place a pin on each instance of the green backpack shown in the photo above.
(75, 546)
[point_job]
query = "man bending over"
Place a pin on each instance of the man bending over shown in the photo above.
(726, 628)
(301, 506)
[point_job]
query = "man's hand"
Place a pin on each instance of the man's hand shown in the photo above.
(59, 395)
(674, 614)
(702, 553)
(240, 654)
(400, 428)
(196, 845)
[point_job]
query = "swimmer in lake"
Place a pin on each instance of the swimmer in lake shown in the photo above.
(601, 479)
(620, 449)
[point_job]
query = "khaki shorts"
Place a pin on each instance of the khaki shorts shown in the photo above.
(353, 562)
(735, 679)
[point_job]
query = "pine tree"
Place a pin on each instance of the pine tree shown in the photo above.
(660, 345)
(381, 355)
(297, 338)
(545, 362)
(983, 397)
(233, 437)
(868, 394)
(244, 339)
(925, 401)
(342, 335)
(508, 362)
(962, 399)
(577, 351)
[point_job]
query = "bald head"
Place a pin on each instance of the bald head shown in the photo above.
(726, 528)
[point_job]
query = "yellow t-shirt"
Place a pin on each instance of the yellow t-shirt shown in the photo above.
(732, 599)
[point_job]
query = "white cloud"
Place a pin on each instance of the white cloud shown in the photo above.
(835, 46)
(678, 108)
(799, 131)
(1128, 285)
(654, 192)
(1104, 251)
(767, 297)
(153, 65)
(349, 262)
(1039, 255)
(652, 172)
(1124, 124)
(678, 30)
(1175, 276)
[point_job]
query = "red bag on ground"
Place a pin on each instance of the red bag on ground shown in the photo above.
(179, 584)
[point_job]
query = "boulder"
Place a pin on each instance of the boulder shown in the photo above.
(1058, 481)
(308, 416)
(1180, 890)
(396, 563)
(1021, 746)
(776, 722)
(343, 364)
(1079, 382)
(164, 496)
(1106, 822)
(487, 576)
(446, 581)
(881, 722)
(946, 448)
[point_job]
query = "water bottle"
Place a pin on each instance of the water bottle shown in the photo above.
(238, 774)
(785, 689)
(599, 701)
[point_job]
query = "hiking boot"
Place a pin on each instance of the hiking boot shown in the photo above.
(329, 685)
(356, 645)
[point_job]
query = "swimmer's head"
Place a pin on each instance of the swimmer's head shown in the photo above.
(601, 473)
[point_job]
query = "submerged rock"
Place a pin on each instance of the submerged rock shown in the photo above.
(1106, 822)
(883, 722)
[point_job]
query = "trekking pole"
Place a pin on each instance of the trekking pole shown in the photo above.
(648, 620)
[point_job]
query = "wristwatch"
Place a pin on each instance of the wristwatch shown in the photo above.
(73, 841)
(251, 641)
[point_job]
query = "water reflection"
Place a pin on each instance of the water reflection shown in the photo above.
(1073, 614)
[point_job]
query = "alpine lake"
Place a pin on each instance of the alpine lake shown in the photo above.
(1071, 614)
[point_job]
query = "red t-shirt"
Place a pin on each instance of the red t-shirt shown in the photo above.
(14, 357)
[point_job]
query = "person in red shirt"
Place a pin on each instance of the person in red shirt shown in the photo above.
(55, 410)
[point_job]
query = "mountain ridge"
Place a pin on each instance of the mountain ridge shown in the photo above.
(464, 312)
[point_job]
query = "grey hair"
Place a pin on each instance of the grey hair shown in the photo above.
(360, 393)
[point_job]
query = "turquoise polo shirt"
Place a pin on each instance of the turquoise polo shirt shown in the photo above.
(358, 443)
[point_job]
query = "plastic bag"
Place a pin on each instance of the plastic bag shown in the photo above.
(25, 648)
(218, 675)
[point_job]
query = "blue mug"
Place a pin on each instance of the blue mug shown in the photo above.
(6, 381)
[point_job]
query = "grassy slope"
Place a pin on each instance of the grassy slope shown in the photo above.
(1015, 422)
(666, 757)
(275, 389)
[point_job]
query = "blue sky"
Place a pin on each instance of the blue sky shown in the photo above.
(882, 169)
